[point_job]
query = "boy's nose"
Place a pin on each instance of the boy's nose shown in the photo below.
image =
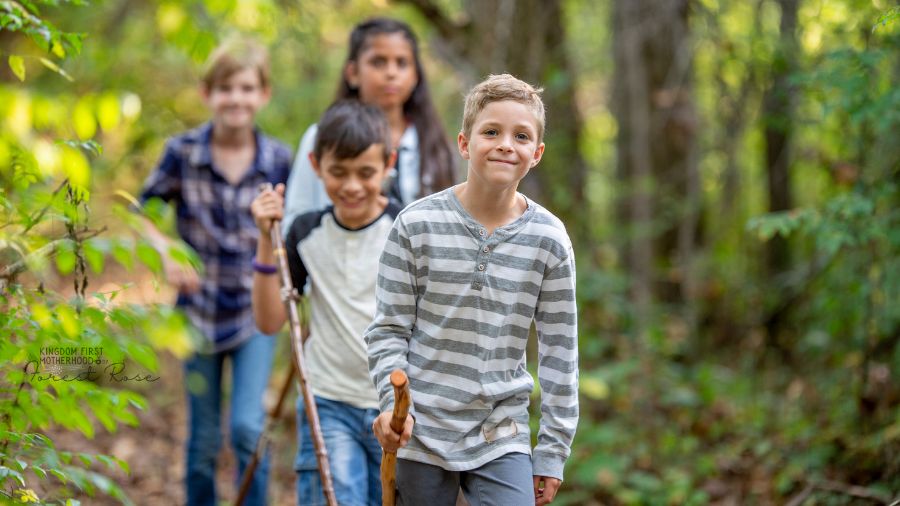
(352, 185)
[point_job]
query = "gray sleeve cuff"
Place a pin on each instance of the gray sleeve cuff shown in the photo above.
(548, 464)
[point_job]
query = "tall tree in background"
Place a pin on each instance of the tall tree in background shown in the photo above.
(656, 166)
(778, 118)
(525, 38)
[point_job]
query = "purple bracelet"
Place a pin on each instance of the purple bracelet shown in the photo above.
(264, 268)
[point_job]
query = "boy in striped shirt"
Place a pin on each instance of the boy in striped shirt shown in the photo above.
(463, 275)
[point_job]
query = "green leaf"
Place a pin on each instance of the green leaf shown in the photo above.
(65, 258)
(61, 476)
(86, 459)
(6, 473)
(17, 64)
(93, 255)
(149, 256)
(54, 67)
(121, 251)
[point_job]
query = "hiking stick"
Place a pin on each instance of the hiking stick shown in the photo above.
(398, 420)
(289, 296)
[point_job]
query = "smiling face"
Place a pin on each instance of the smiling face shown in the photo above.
(235, 100)
(354, 184)
(385, 71)
(503, 145)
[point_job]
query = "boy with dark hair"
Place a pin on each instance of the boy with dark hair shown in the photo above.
(212, 174)
(463, 275)
(337, 250)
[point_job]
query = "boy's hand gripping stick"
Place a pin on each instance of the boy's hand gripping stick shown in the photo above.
(398, 420)
(289, 297)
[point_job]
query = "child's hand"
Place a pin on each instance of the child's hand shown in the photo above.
(182, 276)
(389, 440)
(268, 206)
(544, 495)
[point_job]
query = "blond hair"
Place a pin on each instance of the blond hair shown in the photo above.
(503, 87)
(234, 56)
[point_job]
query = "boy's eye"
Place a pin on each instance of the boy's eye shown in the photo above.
(378, 61)
(402, 63)
(522, 137)
(490, 131)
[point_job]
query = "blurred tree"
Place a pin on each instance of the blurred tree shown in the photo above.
(778, 125)
(657, 159)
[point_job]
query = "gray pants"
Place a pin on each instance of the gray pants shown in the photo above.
(505, 481)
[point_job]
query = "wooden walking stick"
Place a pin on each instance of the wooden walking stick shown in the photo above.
(289, 296)
(398, 420)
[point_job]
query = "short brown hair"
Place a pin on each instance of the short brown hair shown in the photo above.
(503, 87)
(350, 127)
(234, 56)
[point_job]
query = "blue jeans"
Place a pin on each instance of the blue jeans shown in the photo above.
(354, 455)
(251, 363)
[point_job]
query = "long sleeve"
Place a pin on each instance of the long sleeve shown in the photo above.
(557, 329)
(305, 191)
(165, 180)
(388, 336)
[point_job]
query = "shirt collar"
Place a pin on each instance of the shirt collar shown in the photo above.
(201, 154)
(409, 140)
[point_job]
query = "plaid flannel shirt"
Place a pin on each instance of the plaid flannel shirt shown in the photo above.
(213, 217)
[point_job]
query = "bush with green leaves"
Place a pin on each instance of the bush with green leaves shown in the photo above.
(69, 358)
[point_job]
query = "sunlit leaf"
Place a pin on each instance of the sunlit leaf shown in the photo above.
(76, 167)
(83, 119)
(109, 112)
(69, 321)
(56, 68)
(17, 64)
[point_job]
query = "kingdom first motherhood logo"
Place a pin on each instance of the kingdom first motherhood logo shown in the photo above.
(80, 363)
(72, 355)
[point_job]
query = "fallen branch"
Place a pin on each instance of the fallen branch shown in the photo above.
(841, 488)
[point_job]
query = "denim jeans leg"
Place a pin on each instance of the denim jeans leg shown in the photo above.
(251, 365)
(373, 456)
(203, 376)
(339, 423)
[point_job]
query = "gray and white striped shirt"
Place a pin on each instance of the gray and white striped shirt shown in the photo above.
(454, 310)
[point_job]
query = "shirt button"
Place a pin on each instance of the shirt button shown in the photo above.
(480, 267)
(485, 249)
(481, 232)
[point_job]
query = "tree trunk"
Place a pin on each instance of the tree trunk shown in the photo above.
(656, 166)
(778, 118)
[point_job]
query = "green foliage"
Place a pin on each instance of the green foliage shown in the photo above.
(68, 360)
(729, 413)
